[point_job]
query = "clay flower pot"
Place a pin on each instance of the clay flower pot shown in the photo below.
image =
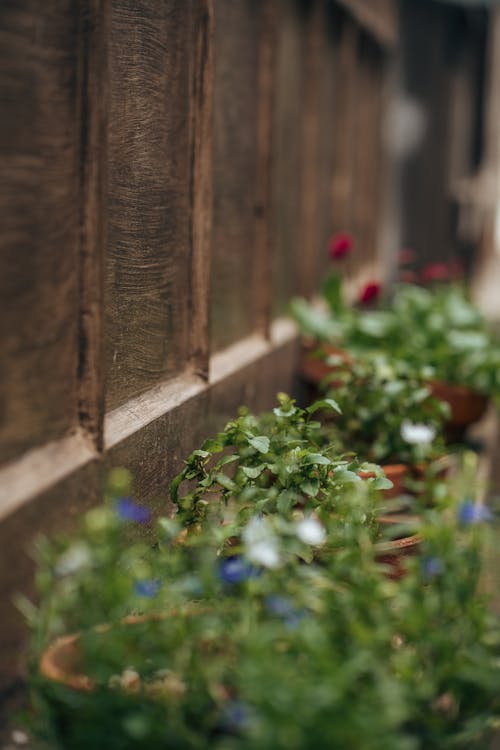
(466, 406)
(395, 552)
(400, 473)
(62, 660)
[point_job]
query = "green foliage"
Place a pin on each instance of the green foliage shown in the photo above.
(235, 655)
(377, 398)
(271, 463)
(437, 333)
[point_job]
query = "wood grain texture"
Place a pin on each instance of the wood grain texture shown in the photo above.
(264, 238)
(311, 155)
(93, 76)
(287, 162)
(147, 274)
(328, 117)
(201, 180)
(39, 208)
(235, 169)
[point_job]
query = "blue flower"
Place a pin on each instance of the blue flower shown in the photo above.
(283, 608)
(237, 715)
(470, 513)
(128, 510)
(432, 567)
(236, 569)
(147, 587)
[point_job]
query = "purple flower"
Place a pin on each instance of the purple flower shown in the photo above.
(235, 570)
(128, 510)
(432, 567)
(470, 513)
(284, 609)
(237, 715)
(147, 587)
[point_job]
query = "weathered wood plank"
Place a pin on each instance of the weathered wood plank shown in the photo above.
(201, 179)
(313, 61)
(264, 240)
(39, 207)
(148, 271)
(93, 75)
(287, 162)
(237, 27)
(328, 117)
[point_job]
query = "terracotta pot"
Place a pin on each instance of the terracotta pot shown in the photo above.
(62, 660)
(467, 406)
(394, 552)
(314, 369)
(400, 473)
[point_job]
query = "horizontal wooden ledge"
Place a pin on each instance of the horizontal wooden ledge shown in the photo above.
(153, 404)
(41, 468)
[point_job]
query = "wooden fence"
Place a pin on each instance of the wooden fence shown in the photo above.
(171, 171)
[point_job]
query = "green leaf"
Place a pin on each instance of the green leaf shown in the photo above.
(259, 442)
(310, 486)
(316, 458)
(227, 460)
(282, 413)
(382, 483)
(174, 487)
(252, 472)
(284, 503)
(200, 453)
(343, 475)
(325, 403)
(225, 481)
(212, 446)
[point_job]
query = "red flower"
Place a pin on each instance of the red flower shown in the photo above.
(435, 272)
(408, 277)
(407, 256)
(339, 246)
(370, 292)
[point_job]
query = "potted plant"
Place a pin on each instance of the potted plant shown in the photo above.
(436, 331)
(275, 463)
(393, 419)
(264, 652)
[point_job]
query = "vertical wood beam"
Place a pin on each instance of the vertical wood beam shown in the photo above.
(308, 255)
(93, 85)
(263, 203)
(201, 166)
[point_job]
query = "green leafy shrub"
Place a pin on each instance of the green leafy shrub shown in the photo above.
(233, 654)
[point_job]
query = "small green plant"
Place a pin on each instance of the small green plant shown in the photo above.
(393, 418)
(273, 463)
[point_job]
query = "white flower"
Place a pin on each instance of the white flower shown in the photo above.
(74, 559)
(417, 434)
(261, 546)
(310, 531)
